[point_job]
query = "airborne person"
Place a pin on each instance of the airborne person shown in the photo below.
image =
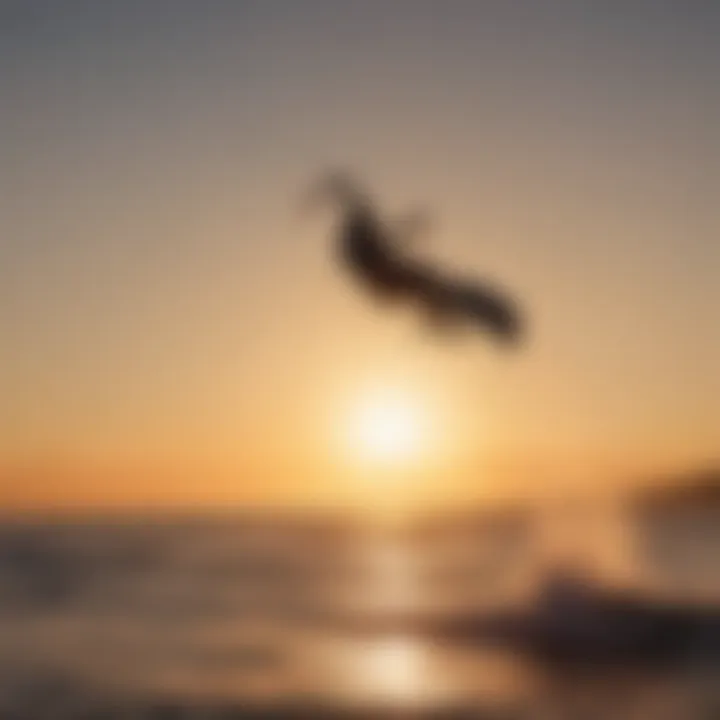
(377, 257)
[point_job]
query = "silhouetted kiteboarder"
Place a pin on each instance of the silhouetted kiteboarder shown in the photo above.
(377, 256)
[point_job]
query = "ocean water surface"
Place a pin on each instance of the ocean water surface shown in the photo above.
(268, 616)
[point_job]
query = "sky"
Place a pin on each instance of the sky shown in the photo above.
(174, 332)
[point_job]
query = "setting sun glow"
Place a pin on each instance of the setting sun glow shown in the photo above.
(387, 429)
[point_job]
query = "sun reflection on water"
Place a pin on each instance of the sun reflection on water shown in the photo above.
(391, 671)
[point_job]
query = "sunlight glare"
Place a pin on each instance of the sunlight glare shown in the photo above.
(387, 429)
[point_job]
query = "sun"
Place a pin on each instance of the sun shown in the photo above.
(387, 428)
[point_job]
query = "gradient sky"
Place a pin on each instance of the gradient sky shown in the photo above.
(172, 331)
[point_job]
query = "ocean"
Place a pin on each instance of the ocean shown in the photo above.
(162, 616)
